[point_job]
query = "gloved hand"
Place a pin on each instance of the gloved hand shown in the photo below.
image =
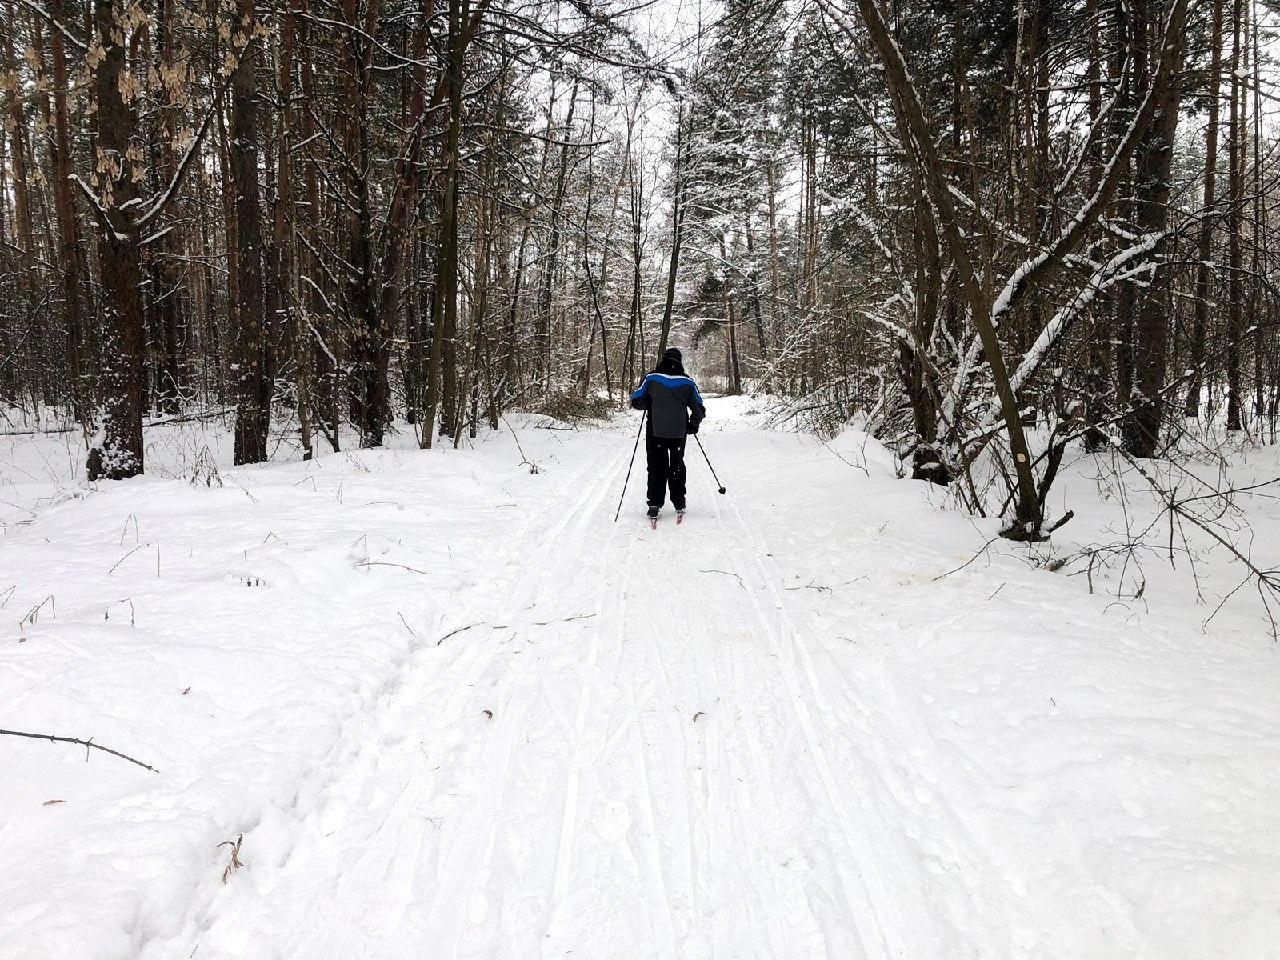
(693, 426)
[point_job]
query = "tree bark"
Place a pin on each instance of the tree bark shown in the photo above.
(119, 454)
(68, 227)
(1235, 227)
(442, 367)
(1141, 429)
(683, 137)
(1204, 239)
(545, 319)
(253, 379)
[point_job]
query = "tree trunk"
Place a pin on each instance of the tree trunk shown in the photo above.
(545, 324)
(1151, 326)
(24, 222)
(1099, 359)
(68, 228)
(253, 380)
(168, 277)
(442, 367)
(1257, 294)
(1204, 240)
(370, 398)
(120, 453)
(683, 137)
(314, 313)
(1235, 226)
(286, 298)
(635, 317)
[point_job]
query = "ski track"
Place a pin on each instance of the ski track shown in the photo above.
(713, 841)
(646, 745)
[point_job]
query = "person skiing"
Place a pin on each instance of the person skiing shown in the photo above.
(675, 411)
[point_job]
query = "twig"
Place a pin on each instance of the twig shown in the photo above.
(539, 623)
(383, 563)
(407, 627)
(34, 613)
(87, 744)
(124, 558)
(235, 863)
(453, 633)
(831, 450)
(727, 574)
(984, 549)
(811, 586)
(524, 460)
(133, 614)
(547, 623)
(1265, 580)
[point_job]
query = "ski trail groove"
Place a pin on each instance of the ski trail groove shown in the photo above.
(461, 869)
(883, 919)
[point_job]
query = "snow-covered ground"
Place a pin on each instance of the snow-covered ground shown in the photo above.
(455, 711)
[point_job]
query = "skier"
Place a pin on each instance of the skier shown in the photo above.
(675, 411)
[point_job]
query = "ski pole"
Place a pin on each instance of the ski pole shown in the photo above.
(708, 459)
(629, 466)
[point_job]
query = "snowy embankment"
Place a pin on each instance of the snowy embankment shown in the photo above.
(455, 711)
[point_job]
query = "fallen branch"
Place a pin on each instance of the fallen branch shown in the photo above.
(985, 547)
(384, 563)
(524, 460)
(727, 573)
(34, 614)
(454, 633)
(235, 863)
(536, 623)
(1266, 581)
(811, 586)
(547, 623)
(415, 636)
(87, 744)
(831, 450)
(126, 557)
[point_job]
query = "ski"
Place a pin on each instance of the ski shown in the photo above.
(653, 519)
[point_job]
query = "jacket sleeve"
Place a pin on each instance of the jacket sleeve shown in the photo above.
(697, 410)
(640, 398)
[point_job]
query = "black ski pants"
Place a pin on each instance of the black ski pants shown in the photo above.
(666, 468)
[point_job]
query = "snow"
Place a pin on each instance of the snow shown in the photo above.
(1100, 280)
(456, 712)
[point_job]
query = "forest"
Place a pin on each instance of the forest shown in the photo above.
(349, 351)
(992, 229)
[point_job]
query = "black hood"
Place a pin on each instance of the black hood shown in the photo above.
(672, 363)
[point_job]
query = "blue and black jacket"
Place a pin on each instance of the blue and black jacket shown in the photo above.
(672, 399)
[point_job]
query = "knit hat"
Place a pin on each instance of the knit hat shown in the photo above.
(674, 354)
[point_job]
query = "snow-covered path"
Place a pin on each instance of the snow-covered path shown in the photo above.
(656, 779)
(511, 728)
